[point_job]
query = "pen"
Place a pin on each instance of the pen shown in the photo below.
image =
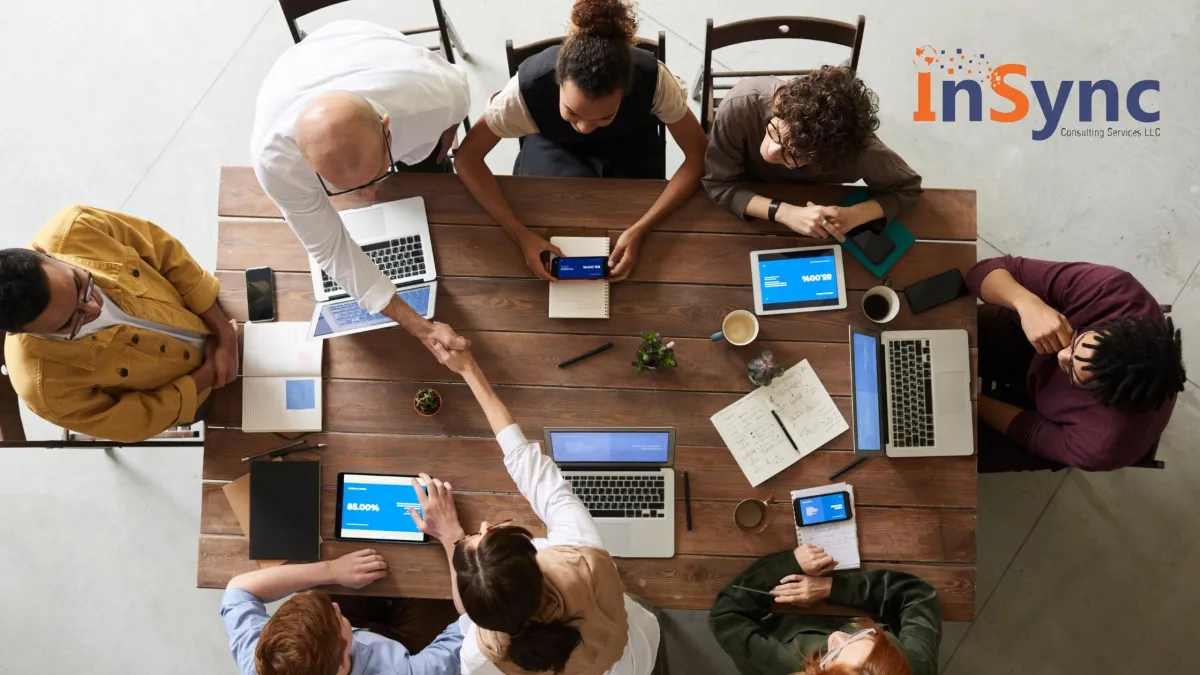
(785, 431)
(844, 469)
(597, 350)
(752, 590)
(687, 499)
(267, 452)
(288, 451)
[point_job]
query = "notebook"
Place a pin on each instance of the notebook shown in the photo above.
(840, 540)
(285, 511)
(281, 378)
(755, 438)
(580, 299)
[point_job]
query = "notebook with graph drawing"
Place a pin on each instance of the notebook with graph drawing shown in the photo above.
(580, 299)
(840, 539)
(755, 438)
(281, 378)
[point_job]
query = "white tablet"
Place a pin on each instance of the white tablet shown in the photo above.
(345, 317)
(798, 280)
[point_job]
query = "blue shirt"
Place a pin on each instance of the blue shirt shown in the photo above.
(371, 654)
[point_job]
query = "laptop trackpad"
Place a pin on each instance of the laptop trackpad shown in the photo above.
(615, 536)
(366, 224)
(951, 393)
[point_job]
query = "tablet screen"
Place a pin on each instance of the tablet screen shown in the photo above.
(346, 316)
(376, 507)
(798, 279)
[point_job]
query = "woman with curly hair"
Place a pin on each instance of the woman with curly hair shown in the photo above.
(587, 109)
(817, 128)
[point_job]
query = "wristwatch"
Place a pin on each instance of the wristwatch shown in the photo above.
(773, 209)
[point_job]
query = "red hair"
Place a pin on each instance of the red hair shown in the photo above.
(303, 638)
(885, 659)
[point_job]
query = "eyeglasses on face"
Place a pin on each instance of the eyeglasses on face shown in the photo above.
(85, 297)
(789, 160)
(833, 653)
(391, 169)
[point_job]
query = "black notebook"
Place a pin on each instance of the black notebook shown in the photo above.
(285, 511)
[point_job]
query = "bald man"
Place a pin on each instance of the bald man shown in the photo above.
(340, 112)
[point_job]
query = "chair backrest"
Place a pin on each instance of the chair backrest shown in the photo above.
(294, 9)
(769, 28)
(11, 428)
(517, 55)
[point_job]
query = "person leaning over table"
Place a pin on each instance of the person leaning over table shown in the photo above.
(537, 605)
(587, 109)
(762, 642)
(114, 329)
(1080, 366)
(340, 112)
(816, 128)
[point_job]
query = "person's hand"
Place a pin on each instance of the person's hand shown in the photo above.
(457, 361)
(355, 570)
(438, 518)
(814, 560)
(225, 356)
(624, 255)
(810, 221)
(532, 247)
(802, 590)
(442, 335)
(1046, 329)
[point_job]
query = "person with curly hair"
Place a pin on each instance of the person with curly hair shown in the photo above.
(1080, 366)
(590, 108)
(817, 128)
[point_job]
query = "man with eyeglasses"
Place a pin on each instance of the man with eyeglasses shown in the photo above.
(114, 330)
(816, 128)
(340, 112)
(1080, 366)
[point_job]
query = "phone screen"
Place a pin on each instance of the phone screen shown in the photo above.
(936, 290)
(260, 294)
(592, 267)
(820, 509)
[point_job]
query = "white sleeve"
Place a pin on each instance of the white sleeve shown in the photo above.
(568, 522)
(319, 228)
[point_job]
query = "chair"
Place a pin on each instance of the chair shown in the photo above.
(769, 28)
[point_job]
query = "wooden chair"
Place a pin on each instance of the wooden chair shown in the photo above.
(768, 28)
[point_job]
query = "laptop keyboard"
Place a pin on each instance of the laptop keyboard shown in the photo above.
(614, 495)
(400, 258)
(912, 393)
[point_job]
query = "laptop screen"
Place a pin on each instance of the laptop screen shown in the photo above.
(345, 316)
(616, 447)
(867, 402)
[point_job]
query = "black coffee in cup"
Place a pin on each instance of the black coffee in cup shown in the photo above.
(876, 307)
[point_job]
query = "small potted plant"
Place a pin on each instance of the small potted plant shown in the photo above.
(653, 354)
(427, 402)
(763, 369)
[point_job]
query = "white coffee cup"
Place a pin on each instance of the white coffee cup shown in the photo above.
(889, 296)
(738, 328)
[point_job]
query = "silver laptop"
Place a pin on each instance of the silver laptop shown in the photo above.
(395, 235)
(911, 393)
(624, 477)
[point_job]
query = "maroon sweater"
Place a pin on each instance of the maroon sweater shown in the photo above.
(1068, 425)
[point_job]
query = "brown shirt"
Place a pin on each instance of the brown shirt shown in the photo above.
(733, 159)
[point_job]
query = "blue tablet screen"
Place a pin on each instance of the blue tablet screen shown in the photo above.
(798, 279)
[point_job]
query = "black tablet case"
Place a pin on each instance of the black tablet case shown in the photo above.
(285, 511)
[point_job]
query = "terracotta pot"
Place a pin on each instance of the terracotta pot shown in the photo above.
(425, 414)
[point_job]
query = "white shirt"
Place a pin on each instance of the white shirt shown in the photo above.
(422, 92)
(111, 315)
(568, 523)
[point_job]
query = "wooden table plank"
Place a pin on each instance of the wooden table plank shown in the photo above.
(602, 203)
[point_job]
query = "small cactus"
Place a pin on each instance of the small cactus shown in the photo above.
(654, 354)
(427, 401)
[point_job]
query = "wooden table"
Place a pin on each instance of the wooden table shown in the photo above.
(915, 515)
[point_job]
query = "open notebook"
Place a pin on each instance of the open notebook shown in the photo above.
(840, 539)
(580, 299)
(281, 378)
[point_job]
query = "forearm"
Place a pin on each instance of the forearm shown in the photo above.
(204, 377)
(397, 310)
(863, 212)
(1000, 288)
(497, 414)
(679, 189)
(481, 183)
(758, 207)
(997, 414)
(448, 546)
(214, 317)
(274, 583)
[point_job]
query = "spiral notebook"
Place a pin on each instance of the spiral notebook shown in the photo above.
(839, 539)
(580, 299)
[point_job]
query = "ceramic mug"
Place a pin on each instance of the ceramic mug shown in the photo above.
(738, 328)
(880, 304)
(751, 515)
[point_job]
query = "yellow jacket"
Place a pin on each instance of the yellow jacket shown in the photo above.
(123, 383)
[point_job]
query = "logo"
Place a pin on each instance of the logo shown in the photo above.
(963, 76)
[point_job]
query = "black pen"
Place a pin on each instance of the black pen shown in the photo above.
(288, 451)
(597, 350)
(785, 431)
(844, 469)
(268, 452)
(752, 590)
(687, 499)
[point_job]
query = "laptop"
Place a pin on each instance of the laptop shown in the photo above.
(624, 478)
(911, 393)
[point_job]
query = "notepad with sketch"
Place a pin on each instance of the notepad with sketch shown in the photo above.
(840, 539)
(281, 378)
(580, 299)
(755, 438)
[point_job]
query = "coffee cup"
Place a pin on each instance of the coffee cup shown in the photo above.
(738, 328)
(751, 515)
(881, 304)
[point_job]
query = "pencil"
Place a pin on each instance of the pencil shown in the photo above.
(267, 452)
(687, 500)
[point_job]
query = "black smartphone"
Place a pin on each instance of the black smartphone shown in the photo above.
(936, 290)
(260, 294)
(590, 267)
(877, 247)
(820, 509)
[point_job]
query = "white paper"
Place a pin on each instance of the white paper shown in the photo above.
(840, 539)
(265, 409)
(280, 349)
(584, 299)
(272, 354)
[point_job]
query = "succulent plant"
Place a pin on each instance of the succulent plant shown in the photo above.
(762, 369)
(654, 354)
(427, 401)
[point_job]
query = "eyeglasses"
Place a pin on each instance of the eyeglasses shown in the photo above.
(81, 308)
(491, 527)
(832, 653)
(391, 169)
(789, 160)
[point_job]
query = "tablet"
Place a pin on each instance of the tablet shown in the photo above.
(345, 317)
(798, 280)
(374, 507)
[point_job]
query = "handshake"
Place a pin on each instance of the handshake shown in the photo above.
(451, 349)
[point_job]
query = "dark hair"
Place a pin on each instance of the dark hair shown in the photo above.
(830, 115)
(303, 638)
(1136, 362)
(24, 288)
(500, 585)
(597, 55)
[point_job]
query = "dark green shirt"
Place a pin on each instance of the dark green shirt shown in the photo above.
(762, 643)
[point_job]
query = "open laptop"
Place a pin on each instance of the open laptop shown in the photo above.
(623, 476)
(911, 393)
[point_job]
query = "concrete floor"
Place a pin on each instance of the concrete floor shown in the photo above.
(135, 104)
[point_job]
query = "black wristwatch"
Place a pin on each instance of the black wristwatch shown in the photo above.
(773, 209)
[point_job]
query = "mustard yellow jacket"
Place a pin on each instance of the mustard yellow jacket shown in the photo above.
(123, 383)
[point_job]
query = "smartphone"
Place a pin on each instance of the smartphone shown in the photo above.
(260, 294)
(877, 247)
(592, 267)
(936, 290)
(830, 508)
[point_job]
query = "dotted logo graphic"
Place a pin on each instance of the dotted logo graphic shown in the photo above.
(955, 65)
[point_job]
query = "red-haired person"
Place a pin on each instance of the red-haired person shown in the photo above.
(904, 641)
